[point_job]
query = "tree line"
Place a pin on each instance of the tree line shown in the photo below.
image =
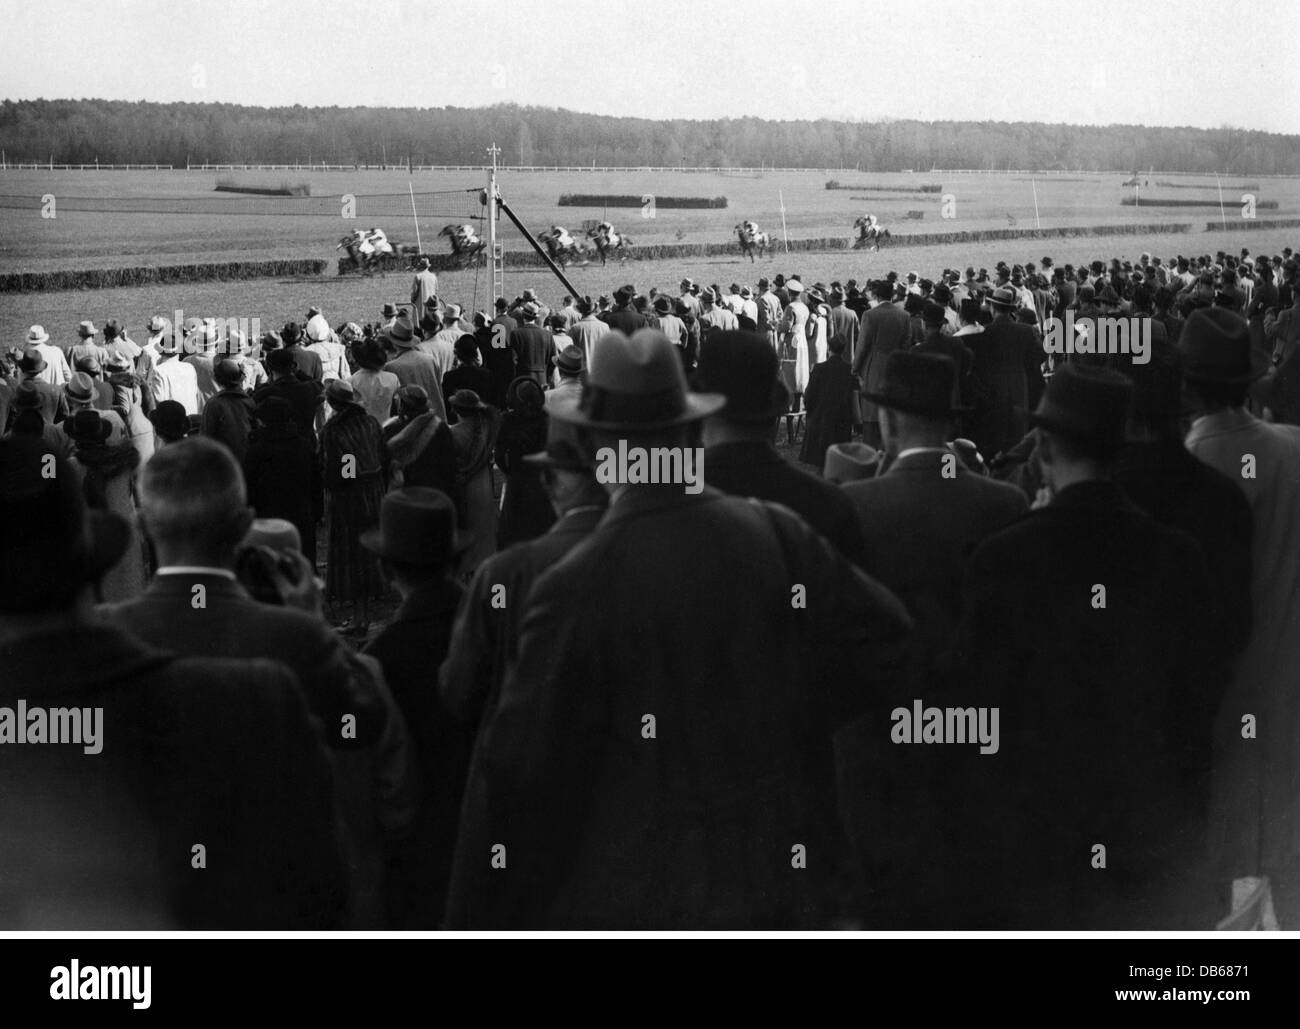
(123, 132)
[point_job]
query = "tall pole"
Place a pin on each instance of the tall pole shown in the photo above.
(1222, 215)
(1034, 183)
(498, 264)
(414, 217)
(785, 236)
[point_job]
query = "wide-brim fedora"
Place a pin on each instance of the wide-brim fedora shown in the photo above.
(635, 385)
(918, 383)
(1215, 347)
(417, 525)
(1087, 404)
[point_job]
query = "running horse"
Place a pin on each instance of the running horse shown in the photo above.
(615, 243)
(464, 253)
(749, 242)
(869, 235)
(561, 255)
(360, 253)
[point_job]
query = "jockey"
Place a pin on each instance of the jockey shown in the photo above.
(606, 231)
(561, 236)
(363, 244)
(465, 236)
(751, 229)
(379, 241)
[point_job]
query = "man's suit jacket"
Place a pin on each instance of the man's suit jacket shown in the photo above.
(1086, 625)
(626, 319)
(661, 748)
(920, 527)
(409, 649)
(884, 329)
(230, 623)
(1004, 379)
(1257, 805)
(758, 470)
(487, 635)
(218, 753)
(304, 397)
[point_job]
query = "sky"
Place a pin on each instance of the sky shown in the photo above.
(1153, 62)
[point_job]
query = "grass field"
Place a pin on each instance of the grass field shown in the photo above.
(114, 219)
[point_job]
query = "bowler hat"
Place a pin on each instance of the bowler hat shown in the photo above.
(917, 384)
(744, 368)
(1215, 347)
(417, 526)
(32, 362)
(636, 384)
(227, 373)
(1086, 404)
(86, 426)
(848, 462)
(171, 422)
(50, 544)
(389, 311)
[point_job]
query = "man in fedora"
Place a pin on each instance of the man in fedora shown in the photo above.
(884, 328)
(193, 750)
(32, 367)
(926, 513)
(412, 366)
(1005, 377)
(664, 720)
(568, 367)
(303, 395)
(920, 520)
(1257, 809)
(739, 457)
(487, 626)
(624, 317)
(55, 371)
(534, 352)
(1086, 625)
(441, 346)
(228, 416)
(418, 547)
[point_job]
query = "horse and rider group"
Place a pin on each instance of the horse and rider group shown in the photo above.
(371, 250)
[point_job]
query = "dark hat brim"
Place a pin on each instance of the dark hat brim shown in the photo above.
(1259, 367)
(698, 406)
(1112, 444)
(894, 404)
(542, 459)
(373, 540)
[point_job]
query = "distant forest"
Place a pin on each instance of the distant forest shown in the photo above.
(121, 132)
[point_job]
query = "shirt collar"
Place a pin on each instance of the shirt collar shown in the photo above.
(921, 450)
(221, 573)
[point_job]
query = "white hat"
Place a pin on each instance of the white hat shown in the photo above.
(317, 329)
(37, 334)
(794, 285)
